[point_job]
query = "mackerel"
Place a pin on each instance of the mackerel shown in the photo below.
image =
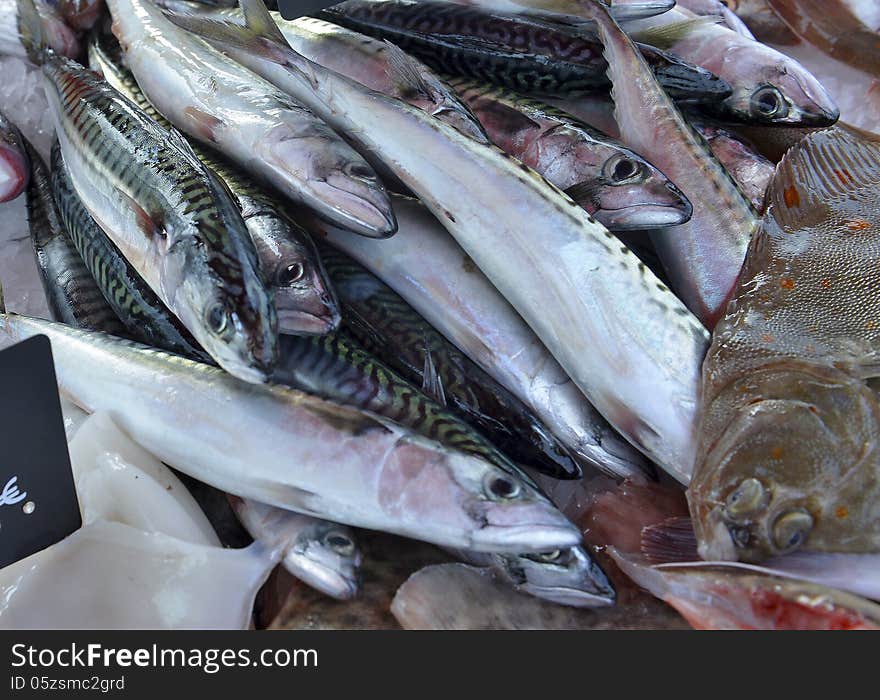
(526, 54)
(274, 445)
(169, 216)
(143, 314)
(387, 327)
(288, 258)
(225, 105)
(72, 294)
(618, 187)
(426, 267)
(621, 335)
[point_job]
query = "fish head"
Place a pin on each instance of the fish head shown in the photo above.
(326, 557)
(461, 500)
(631, 194)
(14, 171)
(791, 468)
(304, 296)
(780, 93)
(564, 576)
(222, 298)
(343, 187)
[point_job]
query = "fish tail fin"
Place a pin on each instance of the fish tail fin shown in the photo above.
(259, 35)
(666, 36)
(31, 29)
(826, 165)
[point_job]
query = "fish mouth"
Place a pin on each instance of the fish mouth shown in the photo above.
(643, 216)
(572, 597)
(541, 528)
(714, 541)
(359, 206)
(331, 582)
(13, 173)
(301, 322)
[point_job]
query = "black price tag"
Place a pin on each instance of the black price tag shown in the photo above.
(38, 505)
(291, 9)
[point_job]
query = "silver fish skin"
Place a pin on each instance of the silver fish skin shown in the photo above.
(768, 86)
(584, 294)
(567, 577)
(224, 105)
(14, 166)
(431, 271)
(702, 257)
(273, 445)
(14, 35)
(719, 9)
(304, 298)
(319, 553)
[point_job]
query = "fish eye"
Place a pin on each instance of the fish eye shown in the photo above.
(218, 318)
(290, 274)
(746, 499)
(791, 529)
(340, 544)
(502, 487)
(768, 102)
(619, 169)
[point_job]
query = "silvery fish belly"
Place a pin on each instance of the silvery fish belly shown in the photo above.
(788, 455)
(221, 103)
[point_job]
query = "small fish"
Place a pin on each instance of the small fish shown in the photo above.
(619, 188)
(717, 597)
(702, 257)
(72, 294)
(304, 298)
(436, 277)
(15, 36)
(225, 105)
(570, 10)
(169, 216)
(768, 86)
(519, 230)
(789, 421)
(322, 554)
(390, 329)
(846, 30)
(564, 576)
(14, 167)
(274, 445)
(526, 54)
(144, 315)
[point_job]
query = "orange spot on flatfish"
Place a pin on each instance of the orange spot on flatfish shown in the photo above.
(870, 325)
(826, 283)
(842, 512)
(776, 453)
(844, 176)
(791, 197)
(858, 225)
(787, 283)
(767, 338)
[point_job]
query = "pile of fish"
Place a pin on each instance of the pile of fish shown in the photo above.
(583, 293)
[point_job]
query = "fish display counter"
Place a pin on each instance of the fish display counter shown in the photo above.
(460, 314)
